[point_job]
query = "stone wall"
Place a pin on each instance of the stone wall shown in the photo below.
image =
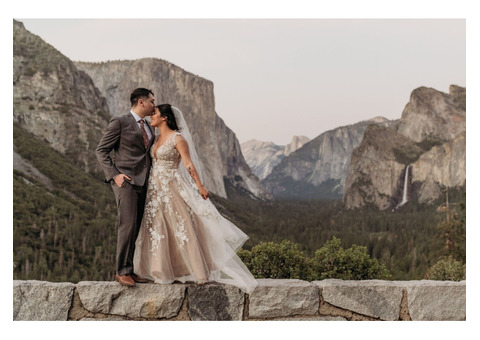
(271, 300)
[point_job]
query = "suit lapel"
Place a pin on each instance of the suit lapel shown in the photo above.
(139, 133)
(133, 121)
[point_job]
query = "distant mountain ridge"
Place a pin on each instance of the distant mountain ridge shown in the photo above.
(366, 163)
(429, 140)
(262, 157)
(319, 168)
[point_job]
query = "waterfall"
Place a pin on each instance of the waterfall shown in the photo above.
(405, 188)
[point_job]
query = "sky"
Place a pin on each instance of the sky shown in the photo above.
(278, 78)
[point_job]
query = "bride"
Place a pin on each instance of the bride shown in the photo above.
(183, 237)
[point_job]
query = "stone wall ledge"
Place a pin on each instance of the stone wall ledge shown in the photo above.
(273, 299)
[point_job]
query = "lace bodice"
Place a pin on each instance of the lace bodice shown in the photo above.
(167, 156)
(165, 166)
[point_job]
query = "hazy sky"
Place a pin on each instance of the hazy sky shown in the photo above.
(276, 78)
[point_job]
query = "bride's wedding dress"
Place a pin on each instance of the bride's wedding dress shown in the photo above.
(183, 237)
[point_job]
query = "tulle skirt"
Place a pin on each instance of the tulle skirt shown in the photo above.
(184, 238)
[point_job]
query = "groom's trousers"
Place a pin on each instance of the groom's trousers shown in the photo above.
(130, 205)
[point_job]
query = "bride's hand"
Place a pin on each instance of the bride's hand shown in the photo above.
(204, 192)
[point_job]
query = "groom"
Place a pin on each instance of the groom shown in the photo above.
(130, 138)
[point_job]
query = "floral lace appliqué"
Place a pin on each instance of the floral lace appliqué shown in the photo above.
(180, 232)
(155, 237)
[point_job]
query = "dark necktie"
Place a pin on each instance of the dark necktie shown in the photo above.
(144, 133)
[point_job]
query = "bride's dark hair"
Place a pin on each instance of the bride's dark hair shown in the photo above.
(166, 111)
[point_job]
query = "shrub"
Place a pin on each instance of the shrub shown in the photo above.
(285, 261)
(332, 261)
(277, 261)
(446, 269)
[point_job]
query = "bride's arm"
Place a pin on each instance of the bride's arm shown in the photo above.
(182, 147)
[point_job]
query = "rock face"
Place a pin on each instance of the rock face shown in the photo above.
(431, 115)
(215, 302)
(275, 298)
(319, 168)
(373, 298)
(54, 100)
(39, 300)
(271, 300)
(217, 146)
(377, 168)
(146, 301)
(429, 140)
(428, 302)
(262, 157)
(442, 165)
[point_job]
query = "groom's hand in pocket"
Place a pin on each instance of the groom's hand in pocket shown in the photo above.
(120, 178)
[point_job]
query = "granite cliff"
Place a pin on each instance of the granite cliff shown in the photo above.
(428, 142)
(319, 168)
(55, 101)
(217, 146)
(262, 157)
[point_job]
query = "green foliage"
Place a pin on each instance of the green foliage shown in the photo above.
(285, 261)
(447, 268)
(66, 233)
(354, 263)
(401, 240)
(451, 234)
(278, 261)
(450, 246)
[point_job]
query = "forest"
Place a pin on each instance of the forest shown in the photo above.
(67, 232)
(407, 241)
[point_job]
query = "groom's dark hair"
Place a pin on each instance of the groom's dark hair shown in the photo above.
(139, 93)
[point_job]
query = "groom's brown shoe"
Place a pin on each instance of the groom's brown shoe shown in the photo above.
(125, 280)
(139, 279)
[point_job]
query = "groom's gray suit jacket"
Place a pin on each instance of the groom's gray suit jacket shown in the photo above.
(130, 157)
(124, 139)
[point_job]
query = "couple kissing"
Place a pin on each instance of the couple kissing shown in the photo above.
(168, 230)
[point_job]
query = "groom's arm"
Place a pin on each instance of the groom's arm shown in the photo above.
(109, 139)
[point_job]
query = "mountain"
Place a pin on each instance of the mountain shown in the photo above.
(55, 101)
(319, 168)
(415, 159)
(217, 146)
(262, 157)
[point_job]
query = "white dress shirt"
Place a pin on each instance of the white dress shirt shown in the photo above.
(137, 118)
